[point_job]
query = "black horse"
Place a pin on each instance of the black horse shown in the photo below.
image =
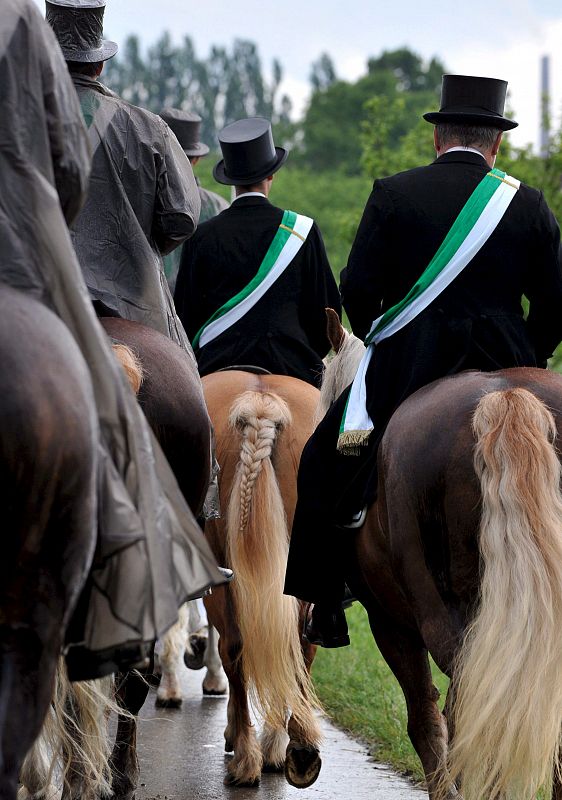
(48, 446)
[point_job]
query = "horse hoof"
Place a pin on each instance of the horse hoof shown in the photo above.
(302, 765)
(231, 780)
(214, 692)
(168, 702)
(195, 658)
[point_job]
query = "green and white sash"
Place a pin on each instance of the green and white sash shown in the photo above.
(290, 237)
(472, 228)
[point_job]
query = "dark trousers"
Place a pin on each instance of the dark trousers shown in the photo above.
(331, 488)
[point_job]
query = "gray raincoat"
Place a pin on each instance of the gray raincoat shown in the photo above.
(211, 205)
(151, 555)
(142, 203)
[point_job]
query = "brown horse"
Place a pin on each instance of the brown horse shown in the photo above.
(48, 447)
(261, 425)
(169, 391)
(171, 397)
(461, 557)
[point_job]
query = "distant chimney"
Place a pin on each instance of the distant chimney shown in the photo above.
(544, 136)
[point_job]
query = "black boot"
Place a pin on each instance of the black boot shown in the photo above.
(327, 626)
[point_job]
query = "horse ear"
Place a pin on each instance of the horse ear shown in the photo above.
(334, 329)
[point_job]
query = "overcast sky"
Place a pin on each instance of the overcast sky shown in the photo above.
(498, 38)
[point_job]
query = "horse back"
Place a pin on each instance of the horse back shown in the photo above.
(429, 499)
(172, 400)
(48, 446)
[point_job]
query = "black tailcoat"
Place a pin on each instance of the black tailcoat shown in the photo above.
(476, 323)
(285, 332)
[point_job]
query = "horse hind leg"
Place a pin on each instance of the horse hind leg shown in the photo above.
(273, 743)
(169, 693)
(215, 682)
(131, 694)
(302, 758)
(407, 657)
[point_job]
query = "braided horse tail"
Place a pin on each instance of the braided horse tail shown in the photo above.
(258, 539)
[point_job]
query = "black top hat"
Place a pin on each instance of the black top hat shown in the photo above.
(78, 26)
(249, 155)
(187, 127)
(466, 100)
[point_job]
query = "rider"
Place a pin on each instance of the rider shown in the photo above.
(187, 128)
(505, 244)
(142, 200)
(151, 554)
(261, 273)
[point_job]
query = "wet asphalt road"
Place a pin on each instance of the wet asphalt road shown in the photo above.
(182, 758)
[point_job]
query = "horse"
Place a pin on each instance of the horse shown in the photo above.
(461, 557)
(169, 391)
(48, 477)
(261, 424)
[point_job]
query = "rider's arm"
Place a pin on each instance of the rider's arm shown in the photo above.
(362, 280)
(320, 291)
(177, 203)
(544, 291)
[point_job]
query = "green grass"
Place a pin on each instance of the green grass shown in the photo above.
(362, 696)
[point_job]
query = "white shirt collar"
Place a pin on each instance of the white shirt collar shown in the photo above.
(249, 194)
(464, 150)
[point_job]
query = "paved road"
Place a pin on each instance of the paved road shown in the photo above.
(182, 758)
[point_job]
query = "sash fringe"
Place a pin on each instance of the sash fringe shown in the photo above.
(351, 442)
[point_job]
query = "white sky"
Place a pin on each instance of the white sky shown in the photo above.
(498, 38)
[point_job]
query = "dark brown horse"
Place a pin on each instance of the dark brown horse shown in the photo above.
(171, 397)
(261, 425)
(461, 557)
(48, 446)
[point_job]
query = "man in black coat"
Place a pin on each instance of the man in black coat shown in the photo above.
(475, 323)
(284, 331)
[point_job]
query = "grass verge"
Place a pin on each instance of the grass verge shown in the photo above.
(361, 695)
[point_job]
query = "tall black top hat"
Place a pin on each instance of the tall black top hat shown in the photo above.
(78, 26)
(466, 100)
(249, 155)
(187, 127)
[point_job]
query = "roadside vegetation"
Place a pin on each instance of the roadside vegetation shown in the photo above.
(362, 696)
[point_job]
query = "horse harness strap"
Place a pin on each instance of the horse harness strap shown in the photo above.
(288, 240)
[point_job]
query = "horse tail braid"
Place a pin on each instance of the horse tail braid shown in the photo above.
(258, 541)
(508, 676)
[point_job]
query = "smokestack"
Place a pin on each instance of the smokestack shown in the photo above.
(544, 135)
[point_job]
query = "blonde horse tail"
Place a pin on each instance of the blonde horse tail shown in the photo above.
(258, 540)
(508, 677)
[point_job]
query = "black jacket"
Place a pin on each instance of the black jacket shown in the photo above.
(285, 332)
(477, 322)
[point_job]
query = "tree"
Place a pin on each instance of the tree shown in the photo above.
(333, 127)
(322, 73)
(222, 88)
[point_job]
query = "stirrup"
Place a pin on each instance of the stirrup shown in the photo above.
(356, 521)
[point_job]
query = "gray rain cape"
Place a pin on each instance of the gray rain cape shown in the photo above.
(151, 555)
(142, 203)
(211, 205)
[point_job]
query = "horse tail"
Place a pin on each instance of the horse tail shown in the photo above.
(73, 746)
(257, 542)
(508, 677)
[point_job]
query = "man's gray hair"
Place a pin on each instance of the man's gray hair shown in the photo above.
(467, 135)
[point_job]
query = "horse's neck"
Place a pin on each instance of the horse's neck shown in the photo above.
(340, 372)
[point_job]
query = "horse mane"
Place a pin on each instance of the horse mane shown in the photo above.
(339, 371)
(131, 365)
